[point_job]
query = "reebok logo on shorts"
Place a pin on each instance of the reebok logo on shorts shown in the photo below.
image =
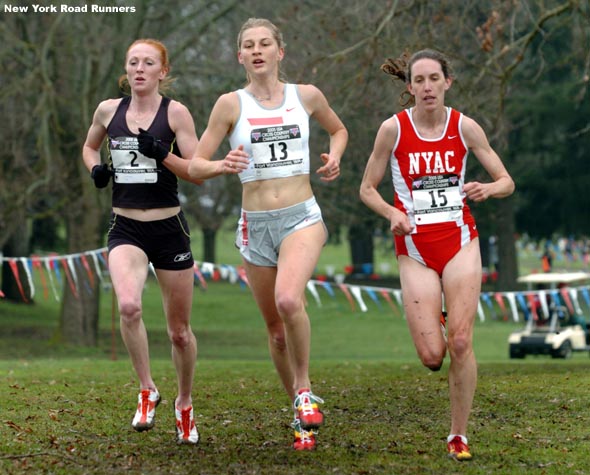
(182, 257)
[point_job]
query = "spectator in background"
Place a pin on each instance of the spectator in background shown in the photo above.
(547, 259)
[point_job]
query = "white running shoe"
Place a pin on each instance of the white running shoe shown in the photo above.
(145, 416)
(186, 429)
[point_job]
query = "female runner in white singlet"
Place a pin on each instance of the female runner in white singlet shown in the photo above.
(280, 233)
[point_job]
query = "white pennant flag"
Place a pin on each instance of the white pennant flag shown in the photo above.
(512, 300)
(544, 306)
(29, 276)
(314, 292)
(482, 317)
(356, 292)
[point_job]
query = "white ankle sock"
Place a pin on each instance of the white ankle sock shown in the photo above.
(452, 436)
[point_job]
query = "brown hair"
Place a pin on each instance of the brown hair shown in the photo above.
(401, 68)
(276, 34)
(164, 83)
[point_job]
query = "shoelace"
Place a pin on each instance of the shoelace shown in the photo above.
(304, 435)
(185, 415)
(145, 403)
(305, 400)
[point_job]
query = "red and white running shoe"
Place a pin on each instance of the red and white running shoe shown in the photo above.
(306, 405)
(145, 416)
(304, 439)
(186, 429)
(458, 450)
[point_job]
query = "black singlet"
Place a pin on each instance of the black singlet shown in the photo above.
(140, 182)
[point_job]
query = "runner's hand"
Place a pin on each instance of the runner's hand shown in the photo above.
(101, 175)
(151, 147)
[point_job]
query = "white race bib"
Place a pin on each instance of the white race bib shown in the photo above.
(277, 146)
(129, 165)
(437, 199)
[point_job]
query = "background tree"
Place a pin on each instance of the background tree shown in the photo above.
(522, 71)
(56, 82)
(488, 42)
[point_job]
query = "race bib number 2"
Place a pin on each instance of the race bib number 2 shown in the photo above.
(277, 146)
(129, 165)
(437, 199)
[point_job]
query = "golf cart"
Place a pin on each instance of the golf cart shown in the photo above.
(554, 327)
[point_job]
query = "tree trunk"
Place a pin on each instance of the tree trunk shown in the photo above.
(85, 221)
(79, 316)
(361, 249)
(209, 245)
(508, 264)
(16, 246)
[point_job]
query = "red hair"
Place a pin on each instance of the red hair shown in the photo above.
(158, 45)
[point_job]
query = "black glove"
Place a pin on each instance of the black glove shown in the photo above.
(151, 147)
(101, 175)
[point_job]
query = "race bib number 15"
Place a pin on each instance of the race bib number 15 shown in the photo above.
(437, 199)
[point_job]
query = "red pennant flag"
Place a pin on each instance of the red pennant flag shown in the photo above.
(533, 306)
(387, 298)
(199, 275)
(69, 277)
(88, 270)
(37, 265)
(498, 297)
(348, 295)
(14, 267)
(568, 302)
(242, 275)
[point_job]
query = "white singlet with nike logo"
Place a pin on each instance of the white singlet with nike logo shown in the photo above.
(276, 139)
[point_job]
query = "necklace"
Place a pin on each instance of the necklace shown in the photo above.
(262, 98)
(138, 118)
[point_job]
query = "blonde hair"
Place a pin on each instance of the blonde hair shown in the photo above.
(276, 34)
(166, 83)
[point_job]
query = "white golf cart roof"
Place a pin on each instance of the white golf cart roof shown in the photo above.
(554, 278)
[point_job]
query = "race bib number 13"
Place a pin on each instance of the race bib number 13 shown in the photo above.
(277, 146)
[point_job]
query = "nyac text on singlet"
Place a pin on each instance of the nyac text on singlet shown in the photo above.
(428, 174)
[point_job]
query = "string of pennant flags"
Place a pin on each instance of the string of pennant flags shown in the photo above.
(80, 272)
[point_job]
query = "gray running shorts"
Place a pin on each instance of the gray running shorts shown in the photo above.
(260, 233)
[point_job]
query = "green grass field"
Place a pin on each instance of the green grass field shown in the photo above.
(67, 409)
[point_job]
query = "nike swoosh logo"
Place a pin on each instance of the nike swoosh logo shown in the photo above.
(451, 137)
(292, 108)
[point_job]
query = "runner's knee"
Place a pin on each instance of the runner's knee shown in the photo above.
(180, 337)
(432, 360)
(129, 310)
(459, 345)
(276, 337)
(288, 305)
